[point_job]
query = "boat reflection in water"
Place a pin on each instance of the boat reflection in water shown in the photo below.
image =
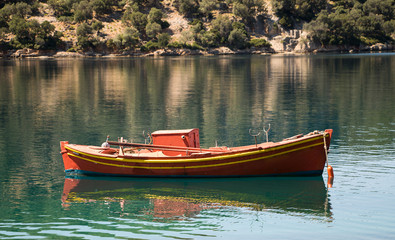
(178, 198)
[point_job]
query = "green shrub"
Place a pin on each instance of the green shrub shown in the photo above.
(32, 34)
(155, 15)
(222, 26)
(176, 44)
(290, 11)
(20, 10)
(6, 12)
(238, 39)
(82, 11)
(22, 31)
(259, 43)
(336, 28)
(187, 7)
(241, 26)
(85, 38)
(103, 6)
(194, 46)
(241, 10)
(97, 26)
(389, 27)
(248, 9)
(62, 7)
(286, 22)
(136, 19)
(150, 46)
(84, 30)
(163, 39)
(206, 6)
(130, 38)
(208, 39)
(153, 29)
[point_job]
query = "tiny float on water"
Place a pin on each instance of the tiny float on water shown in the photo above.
(177, 153)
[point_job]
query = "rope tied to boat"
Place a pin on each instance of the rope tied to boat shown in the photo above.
(328, 167)
(326, 149)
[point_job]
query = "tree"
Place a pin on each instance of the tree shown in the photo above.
(20, 10)
(155, 22)
(130, 38)
(222, 26)
(389, 28)
(241, 26)
(247, 9)
(241, 10)
(354, 22)
(371, 26)
(155, 15)
(32, 34)
(308, 9)
(206, 6)
(153, 29)
(386, 8)
(127, 40)
(137, 20)
(20, 28)
(46, 29)
(103, 6)
(336, 28)
(208, 39)
(62, 7)
(291, 11)
(238, 39)
(84, 36)
(82, 11)
(187, 7)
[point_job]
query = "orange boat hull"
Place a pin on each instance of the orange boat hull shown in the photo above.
(302, 156)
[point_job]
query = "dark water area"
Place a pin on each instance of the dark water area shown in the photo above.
(44, 101)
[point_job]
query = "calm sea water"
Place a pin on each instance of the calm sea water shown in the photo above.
(83, 100)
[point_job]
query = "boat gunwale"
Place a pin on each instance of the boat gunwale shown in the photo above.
(214, 157)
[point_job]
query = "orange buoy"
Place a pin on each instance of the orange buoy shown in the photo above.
(330, 176)
(330, 182)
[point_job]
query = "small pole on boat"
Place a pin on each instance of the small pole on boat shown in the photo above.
(267, 133)
(255, 135)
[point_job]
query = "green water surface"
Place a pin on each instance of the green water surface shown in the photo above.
(44, 101)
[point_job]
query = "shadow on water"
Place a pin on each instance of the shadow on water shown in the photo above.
(175, 198)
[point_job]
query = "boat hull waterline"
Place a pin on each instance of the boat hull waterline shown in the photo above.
(300, 155)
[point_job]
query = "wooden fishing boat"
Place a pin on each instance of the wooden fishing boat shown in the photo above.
(177, 153)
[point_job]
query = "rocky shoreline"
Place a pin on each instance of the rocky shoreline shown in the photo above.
(31, 53)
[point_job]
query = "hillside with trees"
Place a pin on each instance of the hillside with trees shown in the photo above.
(143, 26)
